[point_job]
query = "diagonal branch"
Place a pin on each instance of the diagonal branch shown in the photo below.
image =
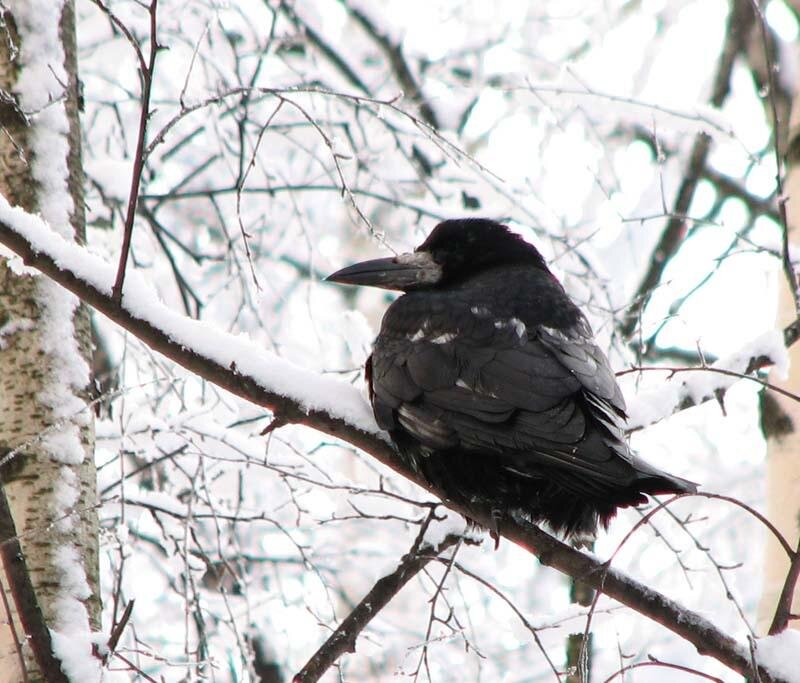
(397, 61)
(343, 639)
(327, 50)
(783, 611)
(330, 406)
(741, 21)
(37, 635)
(140, 157)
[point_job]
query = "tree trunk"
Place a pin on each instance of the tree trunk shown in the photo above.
(45, 345)
(781, 420)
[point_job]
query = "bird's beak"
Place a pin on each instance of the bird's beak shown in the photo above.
(406, 271)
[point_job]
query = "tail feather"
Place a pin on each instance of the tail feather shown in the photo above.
(655, 481)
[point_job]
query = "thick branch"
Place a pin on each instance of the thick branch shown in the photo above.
(783, 611)
(291, 407)
(19, 582)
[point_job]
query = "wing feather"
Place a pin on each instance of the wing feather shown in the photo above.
(494, 383)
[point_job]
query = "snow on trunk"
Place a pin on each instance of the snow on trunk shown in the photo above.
(45, 346)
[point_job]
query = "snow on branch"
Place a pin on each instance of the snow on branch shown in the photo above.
(697, 117)
(295, 395)
(233, 361)
(706, 382)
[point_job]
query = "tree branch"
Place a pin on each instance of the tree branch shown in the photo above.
(740, 22)
(731, 187)
(140, 157)
(398, 64)
(343, 639)
(674, 396)
(37, 635)
(187, 342)
(324, 47)
(783, 610)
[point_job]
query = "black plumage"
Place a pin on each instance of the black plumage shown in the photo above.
(487, 377)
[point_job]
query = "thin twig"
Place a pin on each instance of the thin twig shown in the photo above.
(675, 370)
(510, 603)
(665, 665)
(343, 639)
(140, 157)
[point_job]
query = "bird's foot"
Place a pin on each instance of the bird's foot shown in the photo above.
(494, 533)
(583, 540)
(490, 524)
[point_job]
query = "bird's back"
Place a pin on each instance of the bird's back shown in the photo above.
(494, 390)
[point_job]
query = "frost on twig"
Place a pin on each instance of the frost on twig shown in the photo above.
(687, 387)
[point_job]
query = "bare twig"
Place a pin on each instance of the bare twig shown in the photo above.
(343, 639)
(146, 73)
(683, 396)
(417, 209)
(510, 604)
(665, 665)
(763, 362)
(432, 618)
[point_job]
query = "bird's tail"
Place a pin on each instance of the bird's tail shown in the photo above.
(655, 481)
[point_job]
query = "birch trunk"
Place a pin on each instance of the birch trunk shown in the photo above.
(781, 419)
(42, 480)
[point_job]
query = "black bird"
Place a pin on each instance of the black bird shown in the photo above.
(487, 378)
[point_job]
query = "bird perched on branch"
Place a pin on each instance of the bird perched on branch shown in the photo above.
(487, 378)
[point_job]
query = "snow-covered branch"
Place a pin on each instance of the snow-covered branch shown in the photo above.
(705, 383)
(232, 362)
(296, 395)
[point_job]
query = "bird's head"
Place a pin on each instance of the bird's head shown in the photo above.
(455, 250)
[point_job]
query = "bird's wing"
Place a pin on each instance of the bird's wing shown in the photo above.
(457, 376)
